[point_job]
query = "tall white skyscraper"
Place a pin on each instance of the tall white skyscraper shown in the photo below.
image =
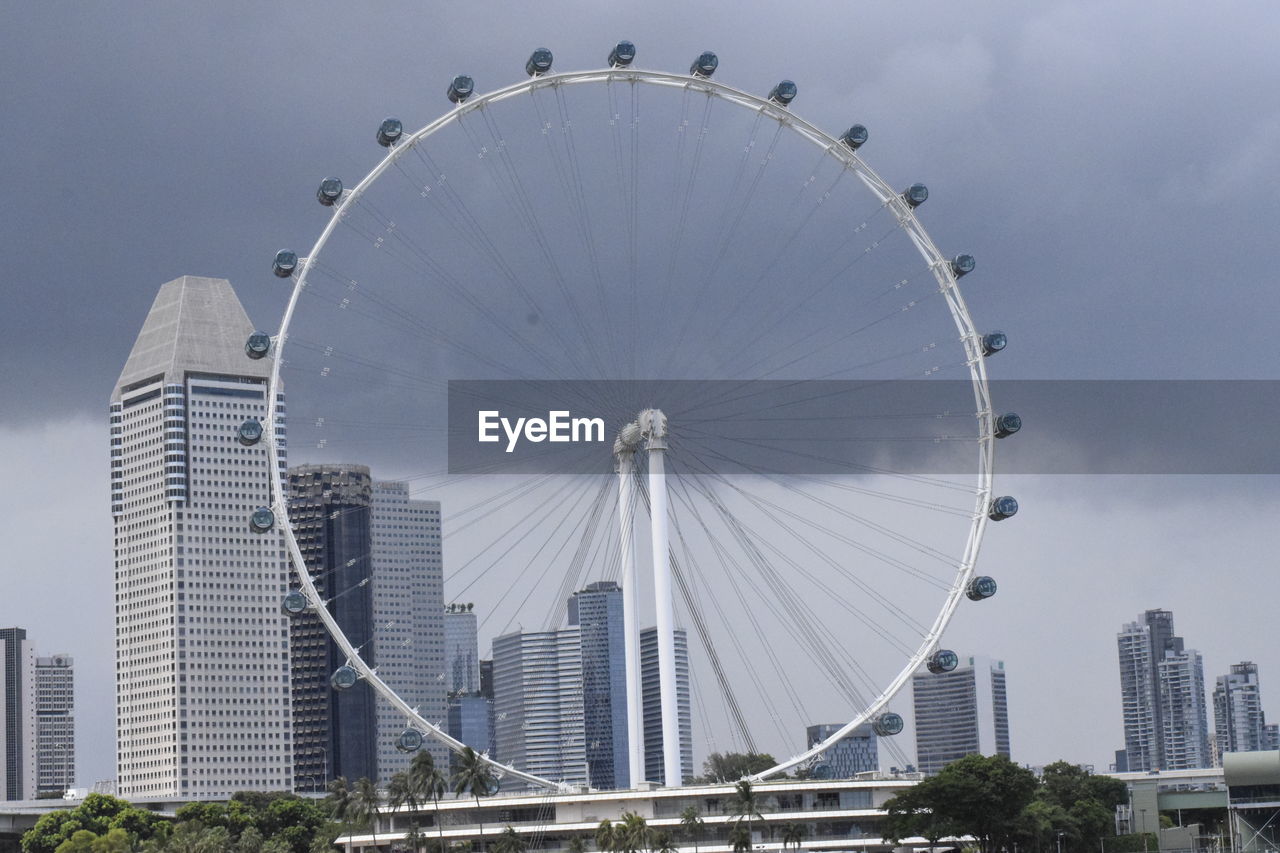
(17, 716)
(1162, 697)
(651, 705)
(537, 696)
(55, 724)
(408, 605)
(202, 649)
(1239, 722)
(960, 713)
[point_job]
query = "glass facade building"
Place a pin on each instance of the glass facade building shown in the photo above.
(597, 611)
(651, 696)
(854, 753)
(960, 712)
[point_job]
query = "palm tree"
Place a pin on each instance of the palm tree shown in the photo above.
(509, 841)
(662, 843)
(605, 835)
(428, 782)
(339, 798)
(691, 820)
(793, 834)
(475, 778)
(632, 834)
(363, 807)
(402, 792)
(746, 806)
(740, 838)
(576, 845)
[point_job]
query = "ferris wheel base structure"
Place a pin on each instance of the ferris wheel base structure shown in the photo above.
(649, 430)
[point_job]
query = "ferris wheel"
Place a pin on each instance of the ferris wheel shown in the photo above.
(801, 437)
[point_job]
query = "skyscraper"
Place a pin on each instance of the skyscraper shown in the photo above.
(202, 650)
(461, 650)
(334, 731)
(55, 724)
(854, 753)
(651, 698)
(537, 696)
(1162, 697)
(408, 604)
(597, 611)
(17, 716)
(1239, 722)
(960, 712)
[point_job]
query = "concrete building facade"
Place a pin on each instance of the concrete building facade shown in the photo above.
(202, 649)
(1162, 697)
(651, 697)
(1240, 725)
(55, 724)
(17, 716)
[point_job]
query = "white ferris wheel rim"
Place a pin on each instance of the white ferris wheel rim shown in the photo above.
(938, 264)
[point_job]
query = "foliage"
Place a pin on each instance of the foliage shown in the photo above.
(474, 777)
(509, 841)
(691, 821)
(732, 766)
(983, 797)
(97, 815)
(793, 835)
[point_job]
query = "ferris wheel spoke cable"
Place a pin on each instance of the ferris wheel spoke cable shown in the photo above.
(685, 202)
(583, 520)
(767, 507)
(732, 572)
(570, 580)
(691, 603)
(798, 622)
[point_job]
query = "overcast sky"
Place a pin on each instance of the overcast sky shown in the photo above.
(1111, 166)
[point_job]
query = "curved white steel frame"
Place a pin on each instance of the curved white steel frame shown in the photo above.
(940, 265)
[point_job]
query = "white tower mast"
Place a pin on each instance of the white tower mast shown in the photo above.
(624, 455)
(653, 426)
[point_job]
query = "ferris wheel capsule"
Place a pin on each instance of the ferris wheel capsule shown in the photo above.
(262, 520)
(1002, 507)
(461, 88)
(284, 263)
(249, 432)
(622, 55)
(887, 724)
(993, 342)
(962, 265)
(855, 137)
(783, 93)
(330, 191)
(915, 195)
(943, 660)
(344, 677)
(390, 131)
(980, 588)
(705, 65)
(410, 740)
(293, 604)
(258, 345)
(1007, 424)
(539, 62)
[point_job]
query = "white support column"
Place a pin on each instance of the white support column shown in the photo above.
(653, 425)
(624, 455)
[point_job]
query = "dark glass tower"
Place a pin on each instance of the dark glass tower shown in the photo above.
(597, 611)
(335, 731)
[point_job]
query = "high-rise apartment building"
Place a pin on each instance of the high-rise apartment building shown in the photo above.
(461, 649)
(537, 696)
(651, 698)
(597, 611)
(334, 731)
(961, 712)
(1162, 697)
(408, 610)
(1239, 722)
(55, 724)
(17, 716)
(202, 649)
(854, 753)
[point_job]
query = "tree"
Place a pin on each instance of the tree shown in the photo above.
(632, 834)
(576, 844)
(976, 795)
(691, 820)
(746, 805)
(475, 778)
(251, 841)
(509, 841)
(732, 766)
(605, 834)
(662, 843)
(428, 782)
(364, 806)
(793, 835)
(740, 838)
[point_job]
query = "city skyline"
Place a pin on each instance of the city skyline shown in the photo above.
(1043, 207)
